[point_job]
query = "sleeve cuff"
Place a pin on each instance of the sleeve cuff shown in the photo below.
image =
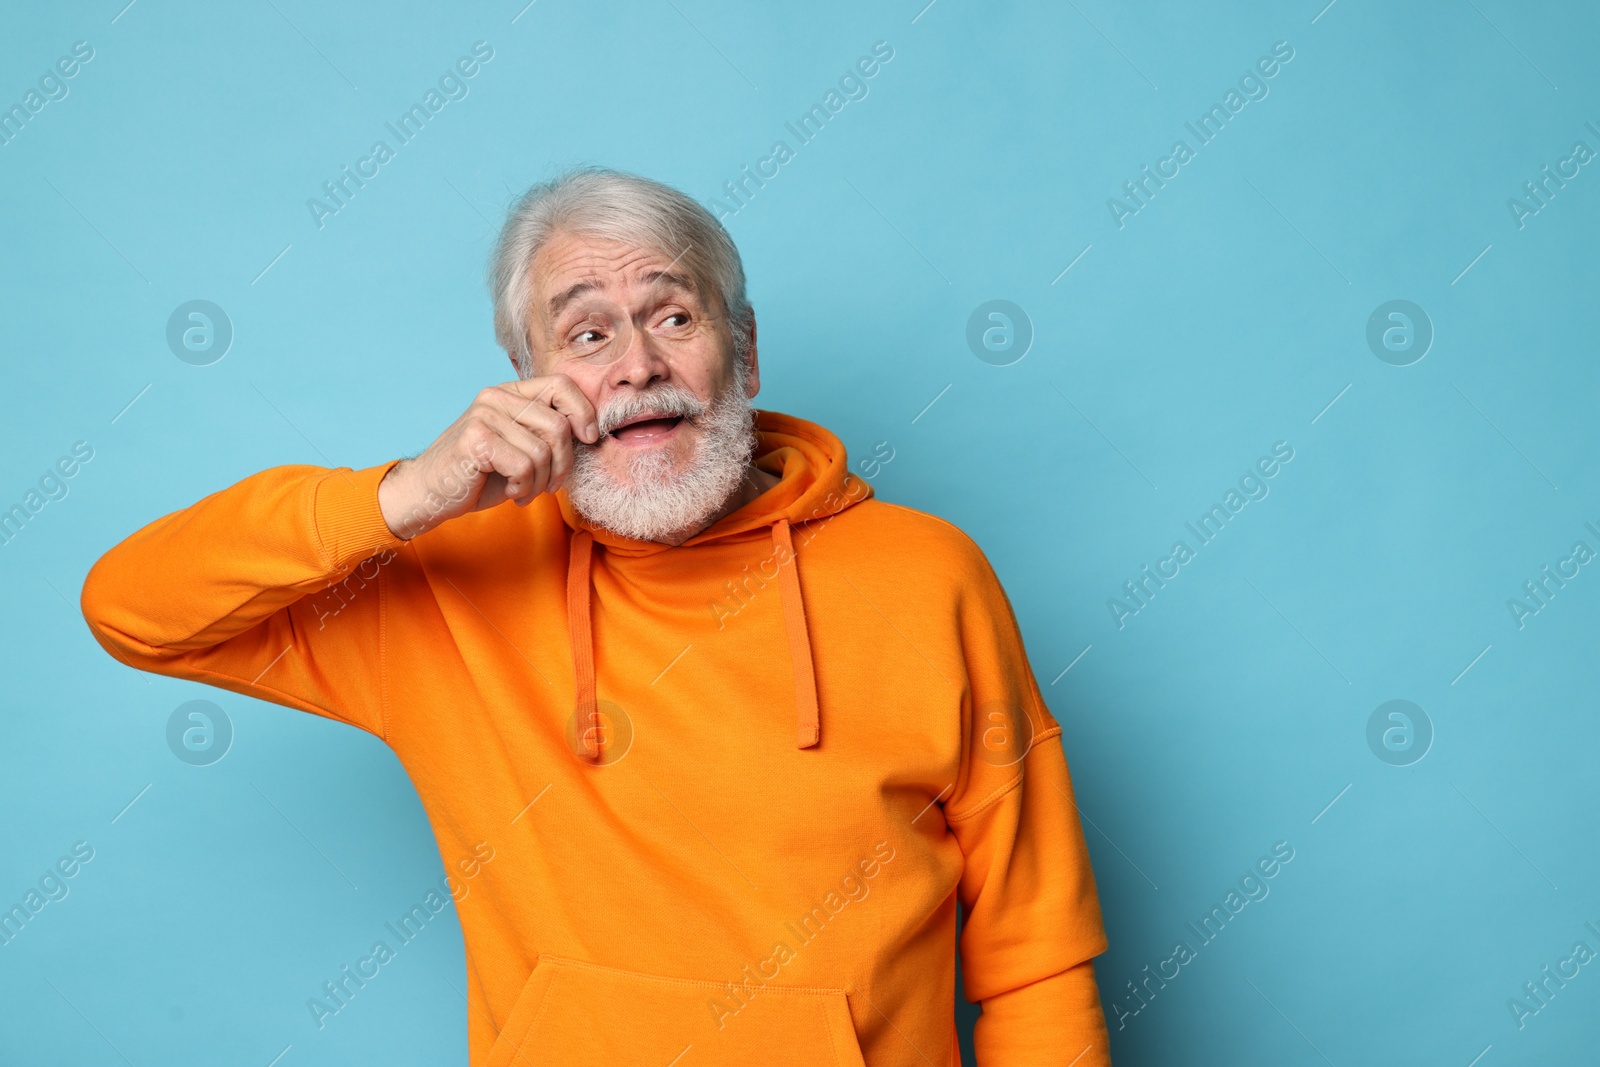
(348, 521)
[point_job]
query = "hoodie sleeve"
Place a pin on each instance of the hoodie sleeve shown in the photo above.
(1033, 922)
(1056, 1020)
(270, 588)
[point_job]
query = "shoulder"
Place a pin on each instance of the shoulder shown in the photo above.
(919, 542)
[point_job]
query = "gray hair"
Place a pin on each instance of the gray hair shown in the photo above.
(605, 203)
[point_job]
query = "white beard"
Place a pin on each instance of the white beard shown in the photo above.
(656, 503)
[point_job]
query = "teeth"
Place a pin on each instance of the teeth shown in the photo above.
(643, 418)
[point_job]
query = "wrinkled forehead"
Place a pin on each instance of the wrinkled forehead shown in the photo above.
(573, 269)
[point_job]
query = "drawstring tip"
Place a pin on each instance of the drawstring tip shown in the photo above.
(587, 732)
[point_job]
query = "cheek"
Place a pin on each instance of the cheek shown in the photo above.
(709, 377)
(702, 361)
(586, 374)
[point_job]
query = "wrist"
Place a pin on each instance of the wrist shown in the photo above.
(393, 501)
(349, 524)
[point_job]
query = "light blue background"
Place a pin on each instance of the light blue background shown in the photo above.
(1227, 315)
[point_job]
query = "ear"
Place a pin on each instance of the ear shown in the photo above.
(753, 383)
(533, 362)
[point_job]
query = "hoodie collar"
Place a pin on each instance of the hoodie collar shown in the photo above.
(814, 482)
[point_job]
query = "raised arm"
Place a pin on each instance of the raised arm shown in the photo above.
(273, 586)
(267, 588)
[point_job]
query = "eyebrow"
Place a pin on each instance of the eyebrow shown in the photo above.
(671, 278)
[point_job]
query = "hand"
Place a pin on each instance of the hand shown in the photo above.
(513, 443)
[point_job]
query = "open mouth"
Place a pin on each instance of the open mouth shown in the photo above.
(647, 429)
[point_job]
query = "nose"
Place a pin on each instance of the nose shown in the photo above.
(640, 363)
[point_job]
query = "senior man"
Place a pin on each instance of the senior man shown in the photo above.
(737, 735)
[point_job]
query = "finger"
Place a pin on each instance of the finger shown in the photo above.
(493, 493)
(516, 460)
(530, 456)
(498, 488)
(562, 394)
(552, 427)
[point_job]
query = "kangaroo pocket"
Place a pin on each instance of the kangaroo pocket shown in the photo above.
(573, 1014)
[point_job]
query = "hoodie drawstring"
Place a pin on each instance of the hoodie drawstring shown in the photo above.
(808, 719)
(586, 711)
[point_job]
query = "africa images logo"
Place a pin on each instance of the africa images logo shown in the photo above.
(1252, 87)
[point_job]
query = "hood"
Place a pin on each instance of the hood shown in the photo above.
(814, 483)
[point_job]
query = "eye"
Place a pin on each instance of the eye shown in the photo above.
(677, 318)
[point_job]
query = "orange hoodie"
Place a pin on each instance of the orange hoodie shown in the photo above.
(734, 789)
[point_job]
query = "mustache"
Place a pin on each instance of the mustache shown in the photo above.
(665, 401)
